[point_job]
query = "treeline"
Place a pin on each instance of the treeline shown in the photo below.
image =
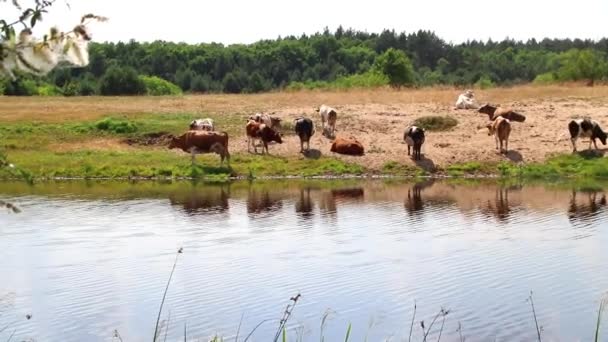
(341, 59)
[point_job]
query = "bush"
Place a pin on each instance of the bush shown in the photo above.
(121, 81)
(70, 89)
(396, 66)
(436, 123)
(116, 126)
(546, 78)
(157, 86)
(87, 87)
(48, 90)
(21, 87)
(485, 82)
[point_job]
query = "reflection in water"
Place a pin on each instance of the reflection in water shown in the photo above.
(304, 204)
(87, 266)
(10, 207)
(414, 203)
(499, 207)
(262, 201)
(200, 200)
(588, 209)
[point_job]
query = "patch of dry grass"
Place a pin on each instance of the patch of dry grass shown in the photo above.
(60, 109)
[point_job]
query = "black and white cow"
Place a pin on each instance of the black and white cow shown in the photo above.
(414, 136)
(305, 129)
(586, 128)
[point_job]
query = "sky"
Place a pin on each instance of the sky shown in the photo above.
(247, 21)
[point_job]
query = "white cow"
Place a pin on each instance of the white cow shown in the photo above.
(202, 125)
(466, 100)
(329, 116)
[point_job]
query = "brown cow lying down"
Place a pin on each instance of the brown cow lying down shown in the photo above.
(198, 142)
(507, 113)
(347, 146)
(256, 130)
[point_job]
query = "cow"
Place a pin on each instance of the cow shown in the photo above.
(586, 128)
(329, 116)
(256, 130)
(414, 136)
(269, 120)
(348, 146)
(202, 125)
(198, 142)
(305, 129)
(466, 100)
(507, 113)
(501, 129)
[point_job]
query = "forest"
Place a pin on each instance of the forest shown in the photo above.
(325, 60)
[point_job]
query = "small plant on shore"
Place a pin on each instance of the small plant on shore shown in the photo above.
(436, 123)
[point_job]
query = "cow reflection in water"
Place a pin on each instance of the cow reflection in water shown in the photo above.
(305, 205)
(500, 208)
(329, 200)
(259, 202)
(413, 203)
(202, 200)
(588, 208)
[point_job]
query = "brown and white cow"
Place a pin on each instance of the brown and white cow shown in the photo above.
(256, 130)
(269, 120)
(493, 112)
(350, 146)
(199, 142)
(501, 129)
(329, 116)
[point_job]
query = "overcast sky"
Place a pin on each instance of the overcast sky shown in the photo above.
(246, 21)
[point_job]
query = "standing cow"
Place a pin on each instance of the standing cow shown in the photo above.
(256, 130)
(329, 116)
(414, 137)
(586, 128)
(305, 129)
(198, 142)
(501, 129)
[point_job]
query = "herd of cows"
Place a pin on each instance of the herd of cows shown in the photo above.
(203, 138)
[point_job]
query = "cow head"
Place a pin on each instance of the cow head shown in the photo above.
(174, 143)
(599, 133)
(490, 128)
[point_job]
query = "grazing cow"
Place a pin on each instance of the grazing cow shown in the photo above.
(268, 120)
(198, 142)
(507, 113)
(256, 130)
(329, 116)
(202, 125)
(586, 128)
(466, 100)
(305, 129)
(414, 136)
(501, 129)
(347, 146)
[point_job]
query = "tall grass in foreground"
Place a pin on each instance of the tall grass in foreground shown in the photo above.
(281, 332)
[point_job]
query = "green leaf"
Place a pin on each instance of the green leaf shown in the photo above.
(348, 332)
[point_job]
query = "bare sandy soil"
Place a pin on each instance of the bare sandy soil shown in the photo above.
(377, 118)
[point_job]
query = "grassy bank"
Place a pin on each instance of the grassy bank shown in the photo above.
(126, 137)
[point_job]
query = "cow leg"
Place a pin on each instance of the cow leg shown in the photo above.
(573, 140)
(193, 153)
(590, 141)
(255, 147)
(506, 146)
(265, 147)
(595, 143)
(301, 146)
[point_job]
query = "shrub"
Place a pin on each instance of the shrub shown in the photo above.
(116, 126)
(436, 123)
(157, 86)
(121, 81)
(48, 90)
(485, 82)
(396, 66)
(546, 78)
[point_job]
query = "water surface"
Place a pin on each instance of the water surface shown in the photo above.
(87, 258)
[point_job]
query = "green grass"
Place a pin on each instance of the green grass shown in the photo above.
(436, 123)
(395, 168)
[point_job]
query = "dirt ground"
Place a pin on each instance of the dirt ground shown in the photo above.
(377, 118)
